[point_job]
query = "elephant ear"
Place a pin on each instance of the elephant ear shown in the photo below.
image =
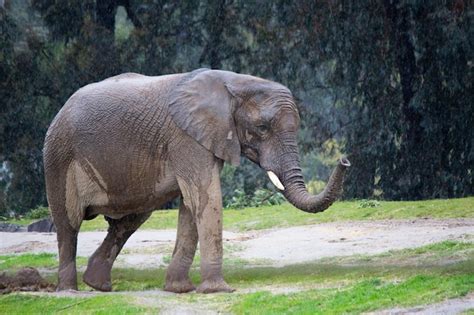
(202, 106)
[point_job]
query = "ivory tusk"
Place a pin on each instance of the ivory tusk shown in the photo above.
(275, 180)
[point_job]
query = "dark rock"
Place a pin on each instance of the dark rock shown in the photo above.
(9, 227)
(44, 225)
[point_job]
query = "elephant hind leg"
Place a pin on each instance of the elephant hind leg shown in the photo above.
(66, 232)
(99, 267)
(67, 246)
(177, 277)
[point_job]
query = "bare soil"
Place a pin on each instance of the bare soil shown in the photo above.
(307, 243)
(279, 247)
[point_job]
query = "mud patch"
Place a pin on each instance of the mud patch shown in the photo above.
(26, 279)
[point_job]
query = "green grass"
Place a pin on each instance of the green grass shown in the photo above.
(21, 221)
(256, 218)
(285, 215)
(332, 288)
(433, 254)
(332, 285)
(325, 272)
(42, 260)
(105, 304)
(364, 296)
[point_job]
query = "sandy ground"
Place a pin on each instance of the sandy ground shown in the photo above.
(279, 247)
(307, 243)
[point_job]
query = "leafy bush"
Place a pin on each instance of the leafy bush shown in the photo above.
(38, 213)
(261, 197)
(265, 197)
(365, 203)
(238, 200)
(315, 186)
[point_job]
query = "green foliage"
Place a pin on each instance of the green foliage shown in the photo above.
(368, 204)
(239, 200)
(315, 186)
(265, 197)
(411, 89)
(386, 82)
(261, 197)
(38, 213)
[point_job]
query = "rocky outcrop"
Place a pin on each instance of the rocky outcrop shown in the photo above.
(44, 225)
(9, 227)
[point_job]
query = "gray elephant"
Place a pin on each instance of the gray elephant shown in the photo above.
(124, 146)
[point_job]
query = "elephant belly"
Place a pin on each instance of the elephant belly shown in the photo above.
(97, 194)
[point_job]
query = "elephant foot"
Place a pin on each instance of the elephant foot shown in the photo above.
(213, 286)
(67, 278)
(181, 286)
(66, 287)
(97, 275)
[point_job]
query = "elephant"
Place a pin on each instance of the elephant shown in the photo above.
(124, 146)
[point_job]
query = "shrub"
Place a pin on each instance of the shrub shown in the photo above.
(38, 213)
(315, 186)
(265, 197)
(261, 197)
(368, 204)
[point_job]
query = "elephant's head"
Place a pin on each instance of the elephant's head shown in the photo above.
(232, 114)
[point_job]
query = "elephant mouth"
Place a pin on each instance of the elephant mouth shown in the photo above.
(252, 155)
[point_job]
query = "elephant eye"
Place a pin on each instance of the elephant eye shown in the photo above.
(262, 129)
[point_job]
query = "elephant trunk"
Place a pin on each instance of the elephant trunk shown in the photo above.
(295, 191)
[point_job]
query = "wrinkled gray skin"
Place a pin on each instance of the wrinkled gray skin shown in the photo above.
(124, 146)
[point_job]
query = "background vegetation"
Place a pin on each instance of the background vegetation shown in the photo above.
(389, 83)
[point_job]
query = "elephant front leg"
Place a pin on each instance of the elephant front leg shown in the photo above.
(210, 240)
(99, 267)
(203, 196)
(177, 275)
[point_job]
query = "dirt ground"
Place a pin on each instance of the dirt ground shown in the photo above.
(277, 247)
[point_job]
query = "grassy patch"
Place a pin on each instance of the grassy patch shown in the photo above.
(442, 253)
(363, 296)
(21, 221)
(256, 218)
(322, 273)
(31, 304)
(330, 288)
(42, 260)
(284, 215)
(327, 286)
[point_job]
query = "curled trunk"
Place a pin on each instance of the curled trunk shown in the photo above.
(297, 194)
